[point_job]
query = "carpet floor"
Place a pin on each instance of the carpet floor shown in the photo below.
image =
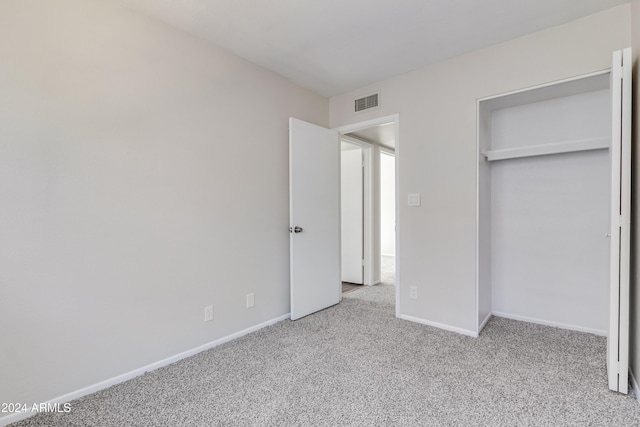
(378, 371)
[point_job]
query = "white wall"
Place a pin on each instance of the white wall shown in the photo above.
(143, 175)
(437, 107)
(550, 253)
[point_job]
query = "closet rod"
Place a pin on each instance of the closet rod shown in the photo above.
(545, 149)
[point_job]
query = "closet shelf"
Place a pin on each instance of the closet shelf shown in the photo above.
(545, 149)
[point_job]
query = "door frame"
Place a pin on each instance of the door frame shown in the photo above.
(369, 227)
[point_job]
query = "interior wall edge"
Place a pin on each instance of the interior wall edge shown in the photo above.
(484, 322)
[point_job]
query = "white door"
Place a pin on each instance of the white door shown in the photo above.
(314, 203)
(618, 338)
(352, 213)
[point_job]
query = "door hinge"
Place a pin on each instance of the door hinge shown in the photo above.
(363, 263)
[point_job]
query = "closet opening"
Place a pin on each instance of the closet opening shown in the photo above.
(553, 203)
(544, 201)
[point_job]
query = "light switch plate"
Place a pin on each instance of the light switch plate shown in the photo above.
(414, 199)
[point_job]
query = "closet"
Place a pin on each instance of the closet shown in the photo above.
(551, 233)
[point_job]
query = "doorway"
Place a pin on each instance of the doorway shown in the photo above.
(379, 141)
(554, 173)
(315, 233)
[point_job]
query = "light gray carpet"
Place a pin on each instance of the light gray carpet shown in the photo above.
(355, 364)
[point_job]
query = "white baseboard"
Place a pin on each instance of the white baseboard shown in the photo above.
(550, 323)
(634, 385)
(507, 316)
(12, 418)
(439, 325)
(484, 322)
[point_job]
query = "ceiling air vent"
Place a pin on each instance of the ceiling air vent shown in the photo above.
(366, 102)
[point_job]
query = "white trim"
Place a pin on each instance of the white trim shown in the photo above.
(12, 418)
(560, 325)
(368, 232)
(386, 150)
(484, 322)
(368, 123)
(476, 315)
(355, 140)
(439, 325)
(396, 119)
(634, 385)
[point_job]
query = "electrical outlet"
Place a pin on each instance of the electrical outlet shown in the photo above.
(208, 313)
(250, 300)
(413, 292)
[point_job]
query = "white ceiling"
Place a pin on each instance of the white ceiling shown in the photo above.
(334, 46)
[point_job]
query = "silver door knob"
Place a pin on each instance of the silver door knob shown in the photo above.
(295, 229)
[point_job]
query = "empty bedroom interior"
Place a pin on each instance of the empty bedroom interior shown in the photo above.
(144, 176)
